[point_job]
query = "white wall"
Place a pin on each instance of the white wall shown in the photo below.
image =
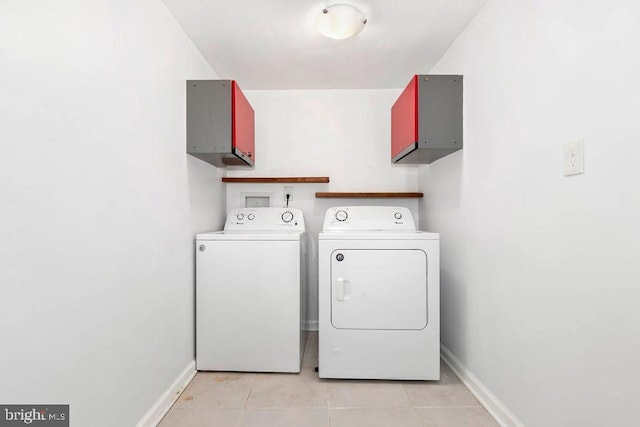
(343, 134)
(540, 271)
(99, 205)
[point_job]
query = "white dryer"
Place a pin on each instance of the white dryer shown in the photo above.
(251, 292)
(379, 295)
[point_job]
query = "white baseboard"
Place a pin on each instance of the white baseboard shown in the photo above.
(163, 404)
(498, 411)
(310, 325)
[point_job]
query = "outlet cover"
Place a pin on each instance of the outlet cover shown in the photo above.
(574, 157)
(287, 190)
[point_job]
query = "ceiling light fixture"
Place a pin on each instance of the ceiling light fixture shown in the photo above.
(340, 21)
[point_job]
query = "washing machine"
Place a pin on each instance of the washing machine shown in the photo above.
(251, 283)
(379, 295)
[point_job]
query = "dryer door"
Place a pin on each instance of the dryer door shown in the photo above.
(379, 289)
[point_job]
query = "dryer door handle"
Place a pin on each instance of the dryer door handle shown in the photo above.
(343, 289)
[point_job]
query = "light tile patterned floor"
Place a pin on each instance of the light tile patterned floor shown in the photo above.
(230, 399)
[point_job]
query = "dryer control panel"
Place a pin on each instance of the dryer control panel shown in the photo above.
(382, 218)
(264, 219)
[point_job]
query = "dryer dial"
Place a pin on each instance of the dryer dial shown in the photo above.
(240, 217)
(287, 216)
(342, 215)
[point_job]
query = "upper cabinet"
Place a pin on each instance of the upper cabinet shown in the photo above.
(220, 123)
(426, 120)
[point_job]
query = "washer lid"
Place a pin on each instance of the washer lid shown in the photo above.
(252, 235)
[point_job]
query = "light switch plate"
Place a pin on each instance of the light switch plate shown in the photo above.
(574, 157)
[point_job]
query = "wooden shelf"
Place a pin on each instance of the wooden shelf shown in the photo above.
(284, 180)
(370, 195)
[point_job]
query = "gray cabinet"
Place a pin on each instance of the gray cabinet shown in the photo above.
(426, 120)
(220, 123)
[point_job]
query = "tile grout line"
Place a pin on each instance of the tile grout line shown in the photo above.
(281, 408)
(449, 406)
(404, 390)
(244, 407)
(326, 384)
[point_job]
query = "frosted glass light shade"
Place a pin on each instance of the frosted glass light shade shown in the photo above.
(340, 21)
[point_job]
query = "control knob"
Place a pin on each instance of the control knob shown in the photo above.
(287, 216)
(397, 215)
(240, 217)
(251, 217)
(342, 215)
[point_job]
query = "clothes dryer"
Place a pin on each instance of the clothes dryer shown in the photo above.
(379, 299)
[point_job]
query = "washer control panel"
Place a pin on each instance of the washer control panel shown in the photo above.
(384, 218)
(264, 219)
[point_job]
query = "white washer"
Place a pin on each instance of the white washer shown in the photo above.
(251, 292)
(379, 295)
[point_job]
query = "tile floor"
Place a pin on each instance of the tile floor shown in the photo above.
(231, 399)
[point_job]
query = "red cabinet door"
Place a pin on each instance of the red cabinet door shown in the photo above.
(404, 119)
(243, 128)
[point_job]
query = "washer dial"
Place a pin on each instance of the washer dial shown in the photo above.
(240, 217)
(342, 215)
(397, 215)
(287, 216)
(251, 217)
